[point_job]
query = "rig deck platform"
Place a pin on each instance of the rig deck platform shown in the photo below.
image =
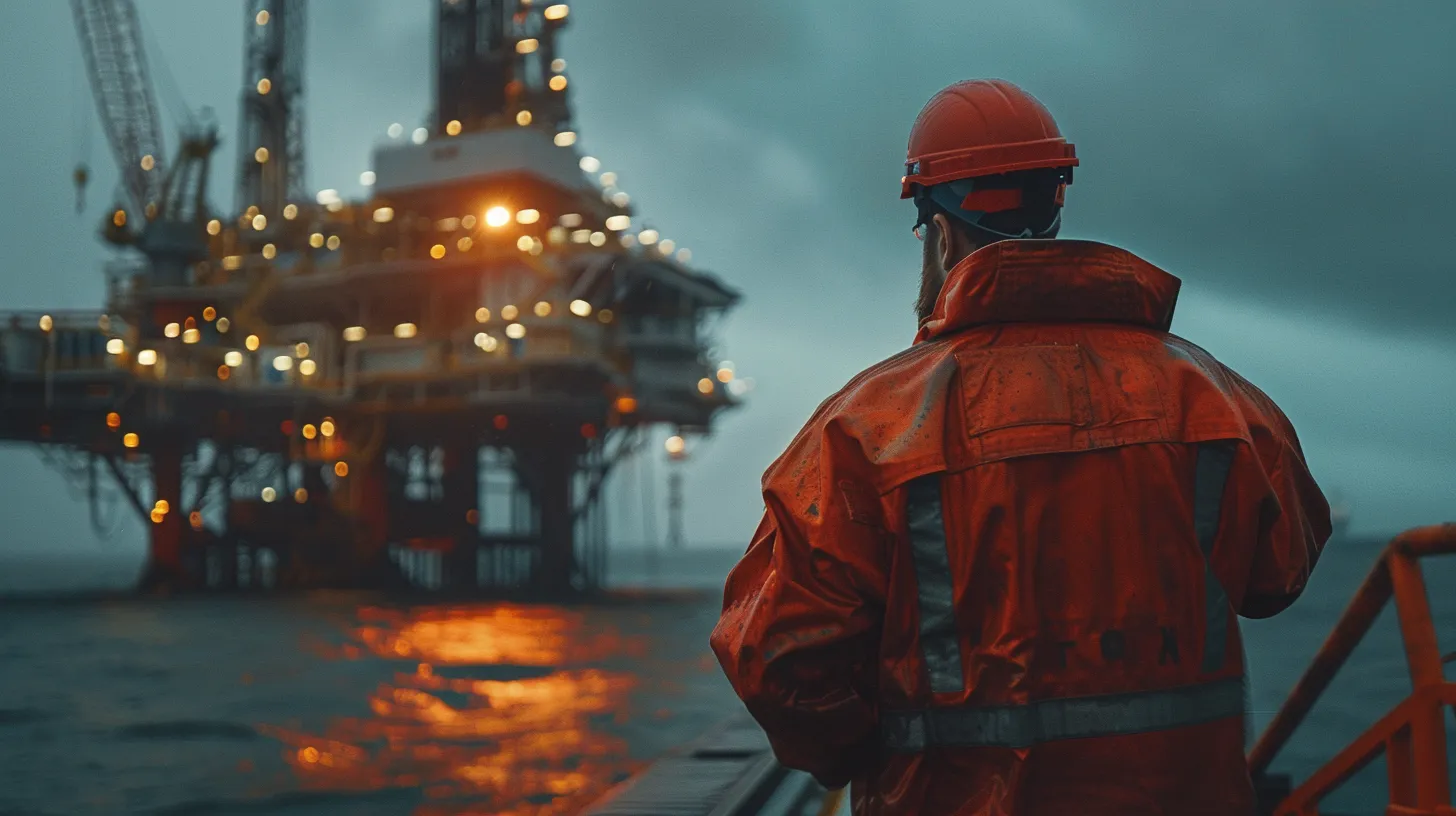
(729, 771)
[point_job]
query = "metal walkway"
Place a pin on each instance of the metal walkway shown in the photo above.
(729, 771)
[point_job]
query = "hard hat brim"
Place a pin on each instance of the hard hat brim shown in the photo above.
(990, 160)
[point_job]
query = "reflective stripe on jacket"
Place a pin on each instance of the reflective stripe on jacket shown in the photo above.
(998, 573)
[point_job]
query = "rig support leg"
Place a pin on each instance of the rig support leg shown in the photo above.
(462, 503)
(557, 528)
(369, 505)
(164, 557)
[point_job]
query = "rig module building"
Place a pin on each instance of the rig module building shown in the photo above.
(432, 385)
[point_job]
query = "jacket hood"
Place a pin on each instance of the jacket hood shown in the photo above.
(1052, 281)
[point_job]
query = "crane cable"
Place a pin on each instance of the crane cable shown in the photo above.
(81, 124)
(171, 91)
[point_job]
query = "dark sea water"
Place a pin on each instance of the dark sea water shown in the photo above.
(338, 703)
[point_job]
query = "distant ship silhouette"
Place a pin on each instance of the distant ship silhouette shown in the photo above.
(1340, 510)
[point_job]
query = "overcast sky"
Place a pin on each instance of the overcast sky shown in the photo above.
(1291, 162)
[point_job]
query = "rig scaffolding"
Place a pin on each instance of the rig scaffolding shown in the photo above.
(429, 387)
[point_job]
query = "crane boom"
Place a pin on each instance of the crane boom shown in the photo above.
(270, 145)
(111, 42)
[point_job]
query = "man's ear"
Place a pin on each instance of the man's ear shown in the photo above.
(950, 239)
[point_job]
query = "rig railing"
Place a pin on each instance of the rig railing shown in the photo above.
(1413, 734)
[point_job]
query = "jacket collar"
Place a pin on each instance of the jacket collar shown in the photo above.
(1052, 281)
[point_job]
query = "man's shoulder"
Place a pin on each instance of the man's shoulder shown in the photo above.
(882, 397)
(896, 379)
(1260, 409)
(1257, 407)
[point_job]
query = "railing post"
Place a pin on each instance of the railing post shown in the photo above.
(1400, 768)
(1427, 729)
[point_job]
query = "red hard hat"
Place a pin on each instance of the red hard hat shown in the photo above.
(982, 127)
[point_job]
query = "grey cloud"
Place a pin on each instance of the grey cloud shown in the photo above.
(1288, 160)
(1291, 153)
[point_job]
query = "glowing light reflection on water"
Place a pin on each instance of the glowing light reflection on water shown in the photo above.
(498, 714)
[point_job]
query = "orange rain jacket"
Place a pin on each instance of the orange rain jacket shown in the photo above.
(984, 557)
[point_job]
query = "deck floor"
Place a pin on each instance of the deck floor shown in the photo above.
(729, 771)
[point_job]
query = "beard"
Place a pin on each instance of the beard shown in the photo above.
(932, 278)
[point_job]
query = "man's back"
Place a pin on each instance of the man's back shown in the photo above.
(998, 572)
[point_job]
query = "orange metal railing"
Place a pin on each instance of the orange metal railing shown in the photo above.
(1413, 734)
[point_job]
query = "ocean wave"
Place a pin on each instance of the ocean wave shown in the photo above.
(188, 730)
(314, 803)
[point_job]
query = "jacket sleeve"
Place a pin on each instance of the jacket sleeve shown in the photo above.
(1294, 517)
(798, 636)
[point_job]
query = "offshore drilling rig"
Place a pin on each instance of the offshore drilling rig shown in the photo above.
(308, 391)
